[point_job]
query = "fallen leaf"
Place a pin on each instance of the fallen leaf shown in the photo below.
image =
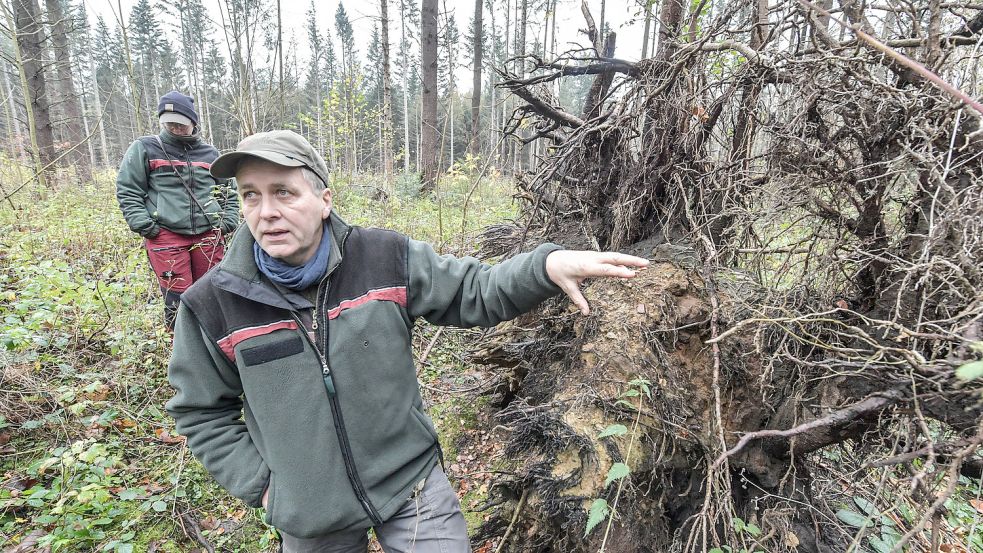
(28, 543)
(164, 436)
(977, 504)
(209, 523)
(124, 423)
(99, 394)
(152, 487)
(20, 484)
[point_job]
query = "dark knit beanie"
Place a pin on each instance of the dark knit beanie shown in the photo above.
(176, 102)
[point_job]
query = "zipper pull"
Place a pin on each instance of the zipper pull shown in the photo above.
(314, 319)
(326, 375)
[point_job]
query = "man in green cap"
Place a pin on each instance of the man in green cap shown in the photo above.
(292, 359)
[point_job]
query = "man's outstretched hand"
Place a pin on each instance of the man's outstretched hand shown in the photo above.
(568, 269)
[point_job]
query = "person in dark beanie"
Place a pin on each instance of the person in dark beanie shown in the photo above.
(169, 198)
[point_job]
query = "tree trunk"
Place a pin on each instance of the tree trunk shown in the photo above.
(520, 52)
(450, 128)
(671, 16)
(504, 145)
(745, 123)
(135, 89)
(474, 144)
(14, 126)
(86, 113)
(404, 49)
(428, 52)
(387, 103)
(645, 33)
(279, 51)
(70, 105)
(30, 45)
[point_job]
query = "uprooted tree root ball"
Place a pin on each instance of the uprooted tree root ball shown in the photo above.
(797, 370)
(655, 329)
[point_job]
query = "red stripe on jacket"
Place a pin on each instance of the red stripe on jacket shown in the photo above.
(158, 163)
(395, 294)
(229, 343)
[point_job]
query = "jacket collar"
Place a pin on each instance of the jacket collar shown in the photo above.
(185, 141)
(237, 272)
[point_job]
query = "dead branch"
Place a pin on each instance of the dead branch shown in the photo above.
(821, 432)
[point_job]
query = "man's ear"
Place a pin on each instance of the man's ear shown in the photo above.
(326, 198)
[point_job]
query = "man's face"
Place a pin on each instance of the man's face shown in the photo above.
(284, 214)
(178, 129)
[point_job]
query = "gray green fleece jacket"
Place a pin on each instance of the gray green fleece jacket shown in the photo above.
(152, 187)
(320, 401)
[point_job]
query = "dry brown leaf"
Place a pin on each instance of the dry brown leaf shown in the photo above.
(123, 424)
(99, 394)
(164, 436)
(152, 487)
(28, 543)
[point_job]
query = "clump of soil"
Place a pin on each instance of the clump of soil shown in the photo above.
(576, 376)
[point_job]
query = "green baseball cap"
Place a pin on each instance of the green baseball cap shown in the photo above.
(281, 147)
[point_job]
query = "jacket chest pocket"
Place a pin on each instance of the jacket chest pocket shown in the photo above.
(257, 355)
(281, 382)
(276, 369)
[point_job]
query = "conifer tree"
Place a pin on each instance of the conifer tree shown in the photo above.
(349, 83)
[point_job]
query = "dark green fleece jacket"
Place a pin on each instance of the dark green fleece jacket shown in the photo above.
(320, 401)
(154, 187)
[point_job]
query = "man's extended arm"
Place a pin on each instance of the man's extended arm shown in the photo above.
(208, 410)
(465, 292)
(132, 191)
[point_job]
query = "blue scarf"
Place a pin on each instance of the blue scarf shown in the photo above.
(296, 277)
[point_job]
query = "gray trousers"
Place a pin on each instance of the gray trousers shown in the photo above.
(429, 522)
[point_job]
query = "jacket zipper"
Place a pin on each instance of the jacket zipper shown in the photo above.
(191, 179)
(338, 418)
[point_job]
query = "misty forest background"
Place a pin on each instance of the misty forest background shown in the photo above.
(384, 101)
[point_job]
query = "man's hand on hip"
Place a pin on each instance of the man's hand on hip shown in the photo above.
(568, 269)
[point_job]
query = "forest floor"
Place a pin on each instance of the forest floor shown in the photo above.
(89, 460)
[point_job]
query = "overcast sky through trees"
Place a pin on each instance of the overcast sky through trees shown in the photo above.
(622, 16)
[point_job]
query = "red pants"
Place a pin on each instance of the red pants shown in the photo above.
(179, 260)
